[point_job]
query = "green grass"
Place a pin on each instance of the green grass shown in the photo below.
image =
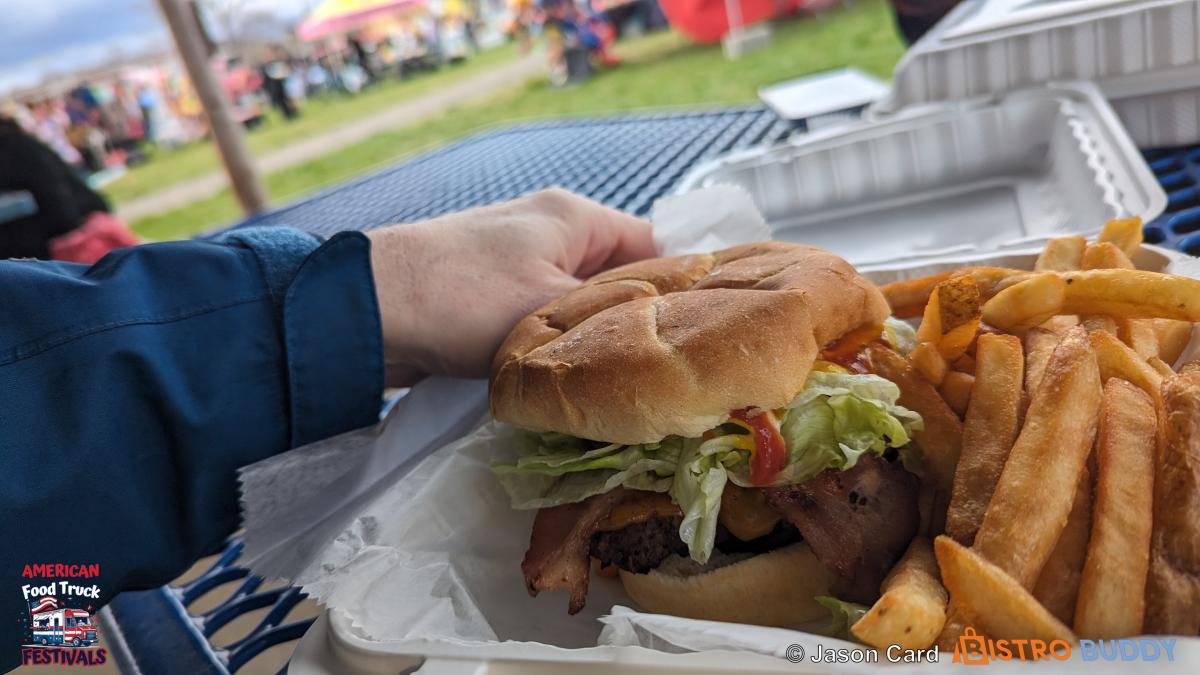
(167, 167)
(660, 70)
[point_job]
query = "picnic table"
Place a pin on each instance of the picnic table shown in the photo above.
(625, 162)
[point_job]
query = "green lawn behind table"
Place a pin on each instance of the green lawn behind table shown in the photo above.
(659, 70)
(168, 167)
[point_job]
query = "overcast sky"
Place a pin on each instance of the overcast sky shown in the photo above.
(42, 36)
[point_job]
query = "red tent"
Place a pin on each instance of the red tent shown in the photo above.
(707, 21)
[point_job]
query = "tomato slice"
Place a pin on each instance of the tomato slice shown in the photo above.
(770, 453)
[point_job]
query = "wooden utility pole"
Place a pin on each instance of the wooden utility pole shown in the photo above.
(226, 131)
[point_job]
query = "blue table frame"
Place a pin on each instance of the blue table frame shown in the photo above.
(625, 162)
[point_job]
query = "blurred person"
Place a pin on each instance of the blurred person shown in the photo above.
(317, 77)
(242, 84)
(72, 221)
(363, 55)
(50, 126)
(151, 377)
(124, 118)
(276, 72)
(147, 101)
(519, 27)
(576, 41)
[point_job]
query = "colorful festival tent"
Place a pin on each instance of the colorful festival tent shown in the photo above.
(337, 16)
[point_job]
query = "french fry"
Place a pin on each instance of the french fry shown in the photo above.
(1060, 323)
(956, 389)
(1104, 255)
(1173, 585)
(991, 427)
(1160, 366)
(1130, 294)
(959, 302)
(1057, 587)
(1173, 338)
(949, 323)
(929, 362)
(959, 340)
(1061, 254)
(1134, 294)
(912, 608)
(1107, 255)
(956, 623)
(1039, 345)
(1126, 233)
(1112, 587)
(1136, 333)
(1099, 322)
(1117, 360)
(941, 439)
(1026, 304)
(965, 364)
(1045, 463)
(1140, 335)
(909, 297)
(992, 600)
(930, 329)
(960, 307)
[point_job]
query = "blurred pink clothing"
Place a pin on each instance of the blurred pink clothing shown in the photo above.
(99, 234)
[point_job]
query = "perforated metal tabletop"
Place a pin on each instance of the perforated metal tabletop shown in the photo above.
(625, 162)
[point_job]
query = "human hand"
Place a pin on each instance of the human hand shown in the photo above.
(450, 289)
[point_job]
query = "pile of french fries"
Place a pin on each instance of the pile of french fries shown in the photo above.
(1062, 451)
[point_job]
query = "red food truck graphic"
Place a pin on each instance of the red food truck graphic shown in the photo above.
(53, 626)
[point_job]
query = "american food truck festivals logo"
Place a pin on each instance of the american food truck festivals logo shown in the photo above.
(60, 628)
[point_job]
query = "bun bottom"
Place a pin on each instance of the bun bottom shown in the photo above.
(770, 589)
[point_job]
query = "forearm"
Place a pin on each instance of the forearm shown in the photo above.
(131, 392)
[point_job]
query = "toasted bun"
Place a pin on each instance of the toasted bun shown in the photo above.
(771, 589)
(671, 345)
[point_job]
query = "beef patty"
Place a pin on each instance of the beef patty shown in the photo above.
(643, 546)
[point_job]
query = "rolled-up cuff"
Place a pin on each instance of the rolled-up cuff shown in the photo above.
(332, 334)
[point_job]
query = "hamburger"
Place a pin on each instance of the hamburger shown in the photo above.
(707, 427)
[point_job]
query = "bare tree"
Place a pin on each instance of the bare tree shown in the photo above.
(226, 21)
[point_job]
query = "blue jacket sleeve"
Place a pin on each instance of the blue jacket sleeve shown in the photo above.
(131, 391)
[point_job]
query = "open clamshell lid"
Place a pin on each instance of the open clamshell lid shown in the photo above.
(949, 180)
(1144, 55)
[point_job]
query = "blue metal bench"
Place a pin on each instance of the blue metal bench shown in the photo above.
(625, 162)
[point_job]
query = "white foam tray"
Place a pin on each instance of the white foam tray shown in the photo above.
(949, 179)
(334, 646)
(1144, 54)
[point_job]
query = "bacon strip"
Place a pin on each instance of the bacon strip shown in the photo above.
(557, 558)
(857, 522)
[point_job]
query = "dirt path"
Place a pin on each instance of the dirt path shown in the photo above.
(404, 113)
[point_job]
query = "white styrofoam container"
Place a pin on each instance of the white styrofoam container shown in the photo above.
(958, 179)
(335, 646)
(1144, 55)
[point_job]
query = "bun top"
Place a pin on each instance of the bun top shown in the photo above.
(671, 345)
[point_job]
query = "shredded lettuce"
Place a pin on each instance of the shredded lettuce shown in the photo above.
(837, 419)
(697, 488)
(545, 474)
(842, 616)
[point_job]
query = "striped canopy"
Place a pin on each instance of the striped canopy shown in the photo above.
(336, 16)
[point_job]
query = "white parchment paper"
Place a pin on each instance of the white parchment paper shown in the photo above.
(403, 531)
